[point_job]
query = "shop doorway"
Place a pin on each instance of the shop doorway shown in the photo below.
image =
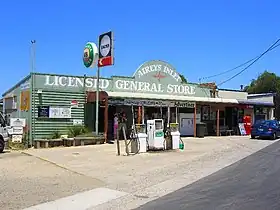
(112, 110)
(90, 112)
(89, 117)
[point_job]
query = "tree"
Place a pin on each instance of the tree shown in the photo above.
(184, 80)
(266, 82)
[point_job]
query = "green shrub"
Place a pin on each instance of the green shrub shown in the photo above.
(76, 130)
(55, 135)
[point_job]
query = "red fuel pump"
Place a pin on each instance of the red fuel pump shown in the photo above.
(247, 124)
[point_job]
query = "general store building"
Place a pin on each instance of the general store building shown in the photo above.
(52, 102)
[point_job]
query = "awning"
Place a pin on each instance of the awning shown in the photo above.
(170, 97)
(261, 103)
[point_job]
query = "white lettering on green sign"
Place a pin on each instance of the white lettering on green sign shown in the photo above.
(119, 85)
(64, 81)
(157, 68)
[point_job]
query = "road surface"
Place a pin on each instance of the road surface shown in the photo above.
(250, 184)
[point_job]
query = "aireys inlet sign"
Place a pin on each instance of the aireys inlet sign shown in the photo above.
(156, 77)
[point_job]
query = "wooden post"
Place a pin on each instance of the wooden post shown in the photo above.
(118, 143)
(176, 114)
(194, 121)
(106, 120)
(143, 115)
(218, 122)
(139, 115)
(125, 141)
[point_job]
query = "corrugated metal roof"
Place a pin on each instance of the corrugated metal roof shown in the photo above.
(249, 102)
(260, 95)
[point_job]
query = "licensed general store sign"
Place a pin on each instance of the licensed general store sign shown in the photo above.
(118, 85)
(156, 77)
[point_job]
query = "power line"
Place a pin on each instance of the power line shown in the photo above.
(270, 48)
(230, 70)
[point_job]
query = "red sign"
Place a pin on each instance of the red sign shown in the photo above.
(74, 102)
(107, 61)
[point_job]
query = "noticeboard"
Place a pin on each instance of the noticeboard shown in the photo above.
(43, 111)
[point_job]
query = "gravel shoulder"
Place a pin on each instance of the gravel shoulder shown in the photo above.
(27, 181)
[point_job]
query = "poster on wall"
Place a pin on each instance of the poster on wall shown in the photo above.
(18, 122)
(24, 100)
(17, 130)
(43, 111)
(17, 138)
(77, 122)
(59, 112)
(242, 129)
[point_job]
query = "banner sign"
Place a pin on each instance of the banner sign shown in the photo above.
(54, 112)
(151, 103)
(106, 56)
(59, 112)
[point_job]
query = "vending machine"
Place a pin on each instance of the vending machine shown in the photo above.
(247, 124)
(155, 134)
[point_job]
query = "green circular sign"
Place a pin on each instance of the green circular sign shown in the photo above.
(90, 54)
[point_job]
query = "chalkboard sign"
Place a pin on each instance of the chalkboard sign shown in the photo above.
(242, 129)
(43, 111)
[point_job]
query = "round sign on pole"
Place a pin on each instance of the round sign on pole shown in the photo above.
(90, 55)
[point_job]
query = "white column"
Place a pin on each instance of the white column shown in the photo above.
(168, 116)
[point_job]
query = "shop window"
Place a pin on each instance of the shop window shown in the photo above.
(205, 110)
(222, 118)
(222, 122)
(173, 115)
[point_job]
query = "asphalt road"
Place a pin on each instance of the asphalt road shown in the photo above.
(250, 184)
(26, 181)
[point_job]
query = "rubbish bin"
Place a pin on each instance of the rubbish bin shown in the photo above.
(200, 129)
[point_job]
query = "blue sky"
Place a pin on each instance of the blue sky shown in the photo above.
(199, 38)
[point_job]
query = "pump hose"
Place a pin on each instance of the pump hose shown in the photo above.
(182, 141)
(136, 138)
(148, 147)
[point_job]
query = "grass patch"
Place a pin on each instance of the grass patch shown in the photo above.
(16, 145)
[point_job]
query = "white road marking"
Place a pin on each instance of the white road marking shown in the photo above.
(81, 201)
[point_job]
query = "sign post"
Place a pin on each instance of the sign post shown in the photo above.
(106, 58)
(89, 58)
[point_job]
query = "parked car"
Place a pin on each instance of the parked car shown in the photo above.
(266, 129)
(4, 136)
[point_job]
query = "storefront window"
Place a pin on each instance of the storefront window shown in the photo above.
(222, 118)
(205, 112)
(173, 115)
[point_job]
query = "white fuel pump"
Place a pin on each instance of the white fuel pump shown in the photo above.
(175, 135)
(142, 137)
(155, 134)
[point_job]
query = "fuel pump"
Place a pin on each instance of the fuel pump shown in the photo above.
(175, 135)
(138, 136)
(142, 137)
(155, 134)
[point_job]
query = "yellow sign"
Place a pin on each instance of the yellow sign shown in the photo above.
(24, 100)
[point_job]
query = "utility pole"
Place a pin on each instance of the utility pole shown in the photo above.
(32, 69)
(32, 55)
